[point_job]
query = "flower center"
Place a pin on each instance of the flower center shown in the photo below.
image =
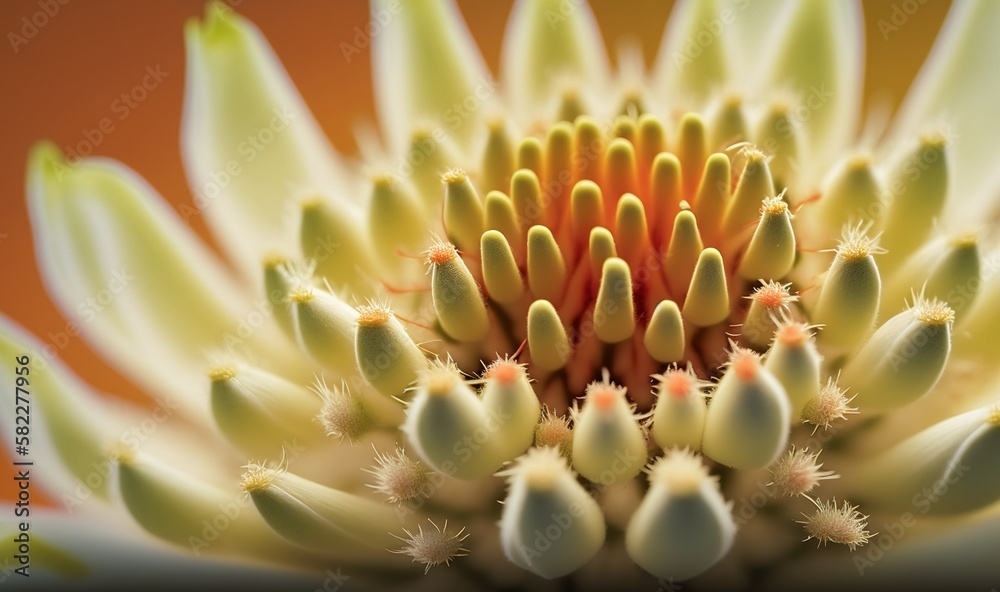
(605, 230)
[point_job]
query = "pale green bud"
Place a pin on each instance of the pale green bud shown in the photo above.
(396, 221)
(849, 298)
(259, 411)
(449, 428)
(713, 196)
(632, 230)
(586, 209)
(755, 184)
(325, 328)
(500, 273)
(692, 150)
(457, 300)
(683, 252)
(664, 337)
(550, 525)
(707, 301)
(464, 217)
(387, 357)
(768, 303)
(679, 413)
(508, 394)
(771, 252)
(948, 468)
(614, 313)
(905, 357)
(546, 268)
(608, 443)
(794, 361)
(683, 525)
(547, 340)
(620, 174)
(918, 190)
(331, 237)
(749, 415)
(498, 157)
(315, 516)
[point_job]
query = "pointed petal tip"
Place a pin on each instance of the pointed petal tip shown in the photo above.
(219, 23)
(47, 162)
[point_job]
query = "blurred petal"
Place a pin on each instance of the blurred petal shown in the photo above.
(752, 26)
(961, 556)
(250, 144)
(428, 70)
(817, 55)
(69, 424)
(550, 45)
(957, 89)
(112, 559)
(133, 278)
(692, 59)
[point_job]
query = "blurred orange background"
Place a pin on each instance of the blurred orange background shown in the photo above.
(65, 78)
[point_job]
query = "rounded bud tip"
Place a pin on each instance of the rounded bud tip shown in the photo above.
(504, 371)
(121, 452)
(440, 252)
(373, 315)
(221, 373)
(681, 471)
(792, 335)
(311, 204)
(273, 260)
(300, 295)
(774, 206)
(745, 364)
(933, 312)
(604, 394)
(454, 176)
(857, 245)
(440, 378)
(677, 383)
(258, 476)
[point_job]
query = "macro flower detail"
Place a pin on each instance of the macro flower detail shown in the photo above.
(633, 306)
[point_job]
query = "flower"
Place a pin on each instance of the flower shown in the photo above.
(555, 282)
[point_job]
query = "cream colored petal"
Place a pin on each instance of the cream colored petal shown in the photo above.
(427, 70)
(551, 46)
(250, 144)
(692, 61)
(117, 558)
(957, 93)
(815, 57)
(909, 553)
(134, 280)
(750, 27)
(67, 424)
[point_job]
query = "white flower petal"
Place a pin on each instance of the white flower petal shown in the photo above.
(909, 553)
(68, 424)
(106, 558)
(957, 89)
(134, 279)
(250, 144)
(428, 71)
(751, 27)
(817, 58)
(551, 45)
(692, 64)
